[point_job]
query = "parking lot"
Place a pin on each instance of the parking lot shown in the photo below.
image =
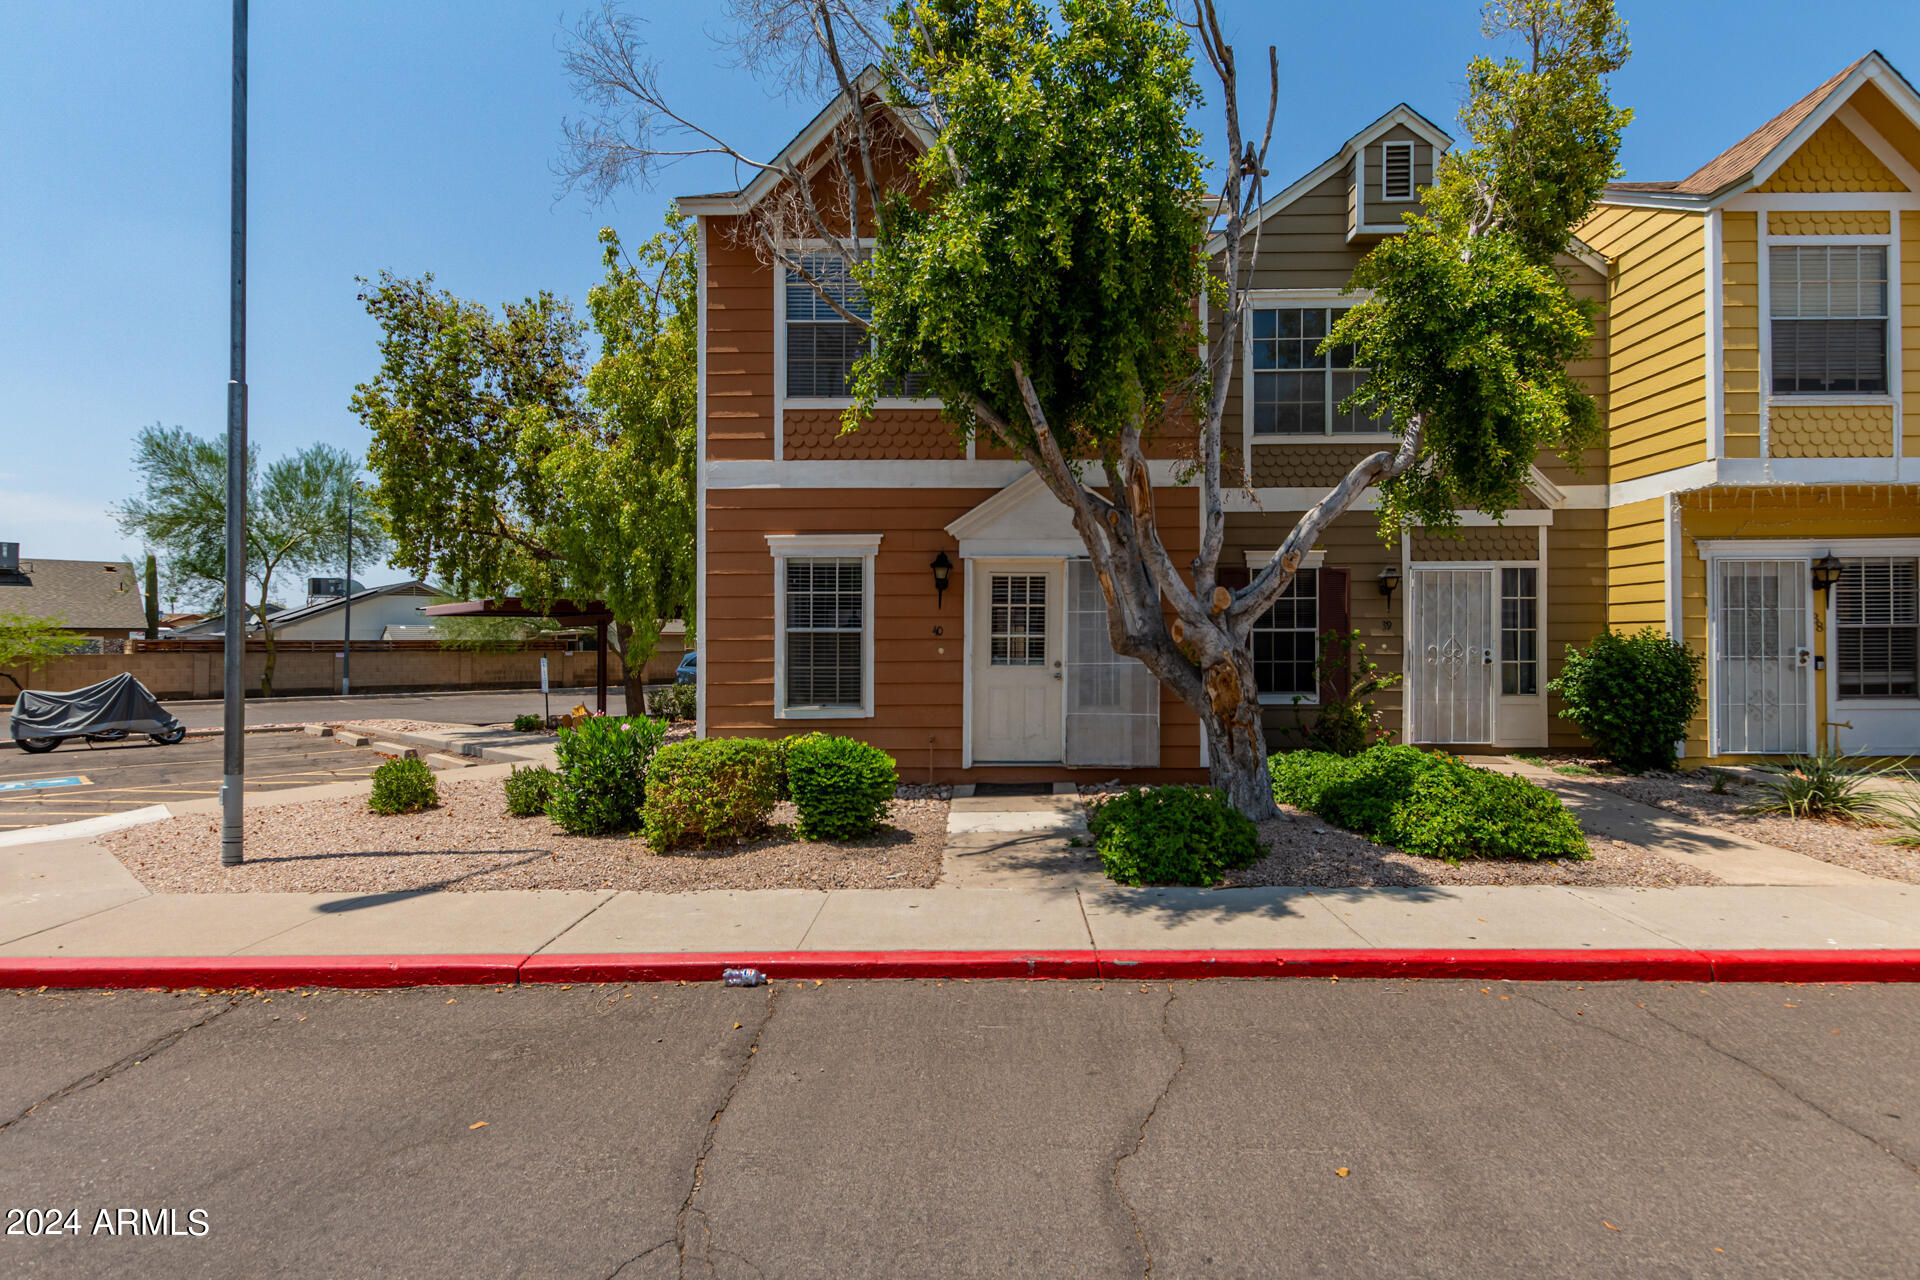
(78, 781)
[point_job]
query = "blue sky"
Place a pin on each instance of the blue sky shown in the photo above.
(418, 136)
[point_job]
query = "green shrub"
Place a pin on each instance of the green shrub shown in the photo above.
(783, 751)
(1824, 786)
(528, 724)
(529, 790)
(403, 786)
(843, 788)
(1430, 804)
(1347, 721)
(603, 774)
(1172, 835)
(1633, 696)
(710, 789)
(673, 701)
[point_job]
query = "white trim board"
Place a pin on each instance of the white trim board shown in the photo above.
(823, 546)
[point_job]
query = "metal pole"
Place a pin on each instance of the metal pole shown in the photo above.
(233, 768)
(346, 633)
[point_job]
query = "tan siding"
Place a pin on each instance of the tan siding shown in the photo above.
(1833, 159)
(1304, 246)
(1657, 367)
(1740, 308)
(1636, 574)
(918, 676)
(1830, 431)
(1381, 211)
(1576, 604)
(1870, 222)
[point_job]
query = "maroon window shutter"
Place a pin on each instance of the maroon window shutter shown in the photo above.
(1336, 615)
(1232, 576)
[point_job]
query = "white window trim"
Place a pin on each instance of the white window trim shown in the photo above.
(1894, 396)
(1387, 197)
(1273, 299)
(781, 400)
(822, 546)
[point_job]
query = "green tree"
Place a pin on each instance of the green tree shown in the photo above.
(296, 518)
(1041, 264)
(26, 641)
(508, 466)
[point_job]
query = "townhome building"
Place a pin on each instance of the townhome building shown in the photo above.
(1764, 414)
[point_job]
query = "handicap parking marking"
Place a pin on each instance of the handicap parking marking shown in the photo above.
(30, 784)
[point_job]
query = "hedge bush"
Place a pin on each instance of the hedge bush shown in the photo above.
(603, 773)
(528, 723)
(1633, 696)
(842, 787)
(1428, 803)
(710, 789)
(403, 786)
(673, 701)
(529, 790)
(1172, 835)
(783, 752)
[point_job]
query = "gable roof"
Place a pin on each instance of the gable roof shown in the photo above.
(86, 594)
(1753, 159)
(804, 143)
(216, 625)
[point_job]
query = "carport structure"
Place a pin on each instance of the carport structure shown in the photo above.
(568, 613)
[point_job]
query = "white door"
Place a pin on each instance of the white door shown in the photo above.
(1452, 663)
(1762, 663)
(1017, 665)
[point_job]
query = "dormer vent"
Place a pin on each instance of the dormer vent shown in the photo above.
(1396, 171)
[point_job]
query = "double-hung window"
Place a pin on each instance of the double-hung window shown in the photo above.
(1286, 641)
(1828, 306)
(822, 345)
(823, 618)
(1519, 631)
(1877, 628)
(1297, 390)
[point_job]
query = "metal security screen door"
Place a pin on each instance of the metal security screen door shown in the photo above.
(1017, 667)
(1113, 703)
(1453, 660)
(1762, 664)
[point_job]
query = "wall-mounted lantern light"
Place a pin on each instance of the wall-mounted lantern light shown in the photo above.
(942, 571)
(1389, 580)
(1826, 571)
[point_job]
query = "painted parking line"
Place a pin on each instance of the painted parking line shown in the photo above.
(32, 784)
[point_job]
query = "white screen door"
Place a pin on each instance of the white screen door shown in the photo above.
(1113, 703)
(1453, 660)
(1762, 664)
(1017, 666)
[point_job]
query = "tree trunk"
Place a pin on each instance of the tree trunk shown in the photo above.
(632, 670)
(266, 633)
(1236, 742)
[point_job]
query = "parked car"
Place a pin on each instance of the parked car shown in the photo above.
(688, 672)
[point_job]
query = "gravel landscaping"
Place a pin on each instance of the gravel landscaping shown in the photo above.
(1689, 796)
(469, 842)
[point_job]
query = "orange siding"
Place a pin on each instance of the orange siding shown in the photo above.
(739, 323)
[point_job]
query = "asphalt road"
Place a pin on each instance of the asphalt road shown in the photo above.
(898, 1129)
(79, 781)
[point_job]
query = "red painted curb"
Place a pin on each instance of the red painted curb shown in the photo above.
(175, 972)
(1815, 966)
(1531, 965)
(706, 967)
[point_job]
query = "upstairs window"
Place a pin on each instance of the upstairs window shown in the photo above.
(822, 345)
(1296, 390)
(1828, 304)
(1396, 171)
(1286, 641)
(1876, 611)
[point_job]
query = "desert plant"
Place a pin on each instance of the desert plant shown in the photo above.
(603, 773)
(529, 790)
(1429, 803)
(1347, 720)
(402, 786)
(1632, 695)
(1172, 835)
(843, 788)
(1823, 786)
(710, 789)
(673, 701)
(528, 724)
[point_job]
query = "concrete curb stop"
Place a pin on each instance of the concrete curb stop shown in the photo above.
(1528, 965)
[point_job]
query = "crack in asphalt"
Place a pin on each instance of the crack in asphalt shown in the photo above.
(1581, 1023)
(687, 1209)
(611, 1275)
(1707, 1041)
(158, 1044)
(1140, 1139)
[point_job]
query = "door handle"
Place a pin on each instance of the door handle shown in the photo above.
(1486, 657)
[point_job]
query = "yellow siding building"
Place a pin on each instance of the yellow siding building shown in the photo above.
(1763, 496)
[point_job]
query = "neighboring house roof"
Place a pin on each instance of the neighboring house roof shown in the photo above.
(89, 595)
(410, 631)
(1753, 159)
(216, 625)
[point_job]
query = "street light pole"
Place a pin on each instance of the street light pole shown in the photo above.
(233, 691)
(346, 632)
